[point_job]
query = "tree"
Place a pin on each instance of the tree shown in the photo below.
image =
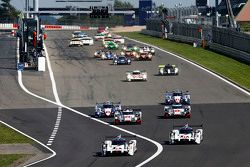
(122, 5)
(8, 12)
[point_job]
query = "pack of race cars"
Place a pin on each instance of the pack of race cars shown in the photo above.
(177, 102)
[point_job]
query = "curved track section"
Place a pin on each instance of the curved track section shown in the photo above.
(82, 81)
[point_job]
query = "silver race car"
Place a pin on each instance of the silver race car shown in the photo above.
(177, 97)
(128, 116)
(119, 145)
(177, 110)
(168, 69)
(106, 109)
(186, 134)
(136, 75)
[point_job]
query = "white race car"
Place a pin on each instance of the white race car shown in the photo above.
(87, 41)
(76, 42)
(128, 116)
(186, 134)
(119, 145)
(177, 110)
(99, 36)
(136, 75)
(119, 39)
(147, 49)
(78, 34)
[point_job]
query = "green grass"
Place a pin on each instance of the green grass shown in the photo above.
(8, 159)
(234, 70)
(9, 136)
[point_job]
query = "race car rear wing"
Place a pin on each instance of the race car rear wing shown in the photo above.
(188, 125)
(120, 136)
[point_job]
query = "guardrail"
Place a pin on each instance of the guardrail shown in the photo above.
(10, 26)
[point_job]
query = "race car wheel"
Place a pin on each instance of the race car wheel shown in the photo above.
(117, 122)
(188, 115)
(139, 122)
(166, 115)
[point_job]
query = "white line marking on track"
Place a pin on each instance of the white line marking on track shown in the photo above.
(197, 65)
(53, 152)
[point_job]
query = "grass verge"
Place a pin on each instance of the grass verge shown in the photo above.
(9, 136)
(233, 70)
(9, 159)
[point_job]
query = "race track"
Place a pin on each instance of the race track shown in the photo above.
(82, 81)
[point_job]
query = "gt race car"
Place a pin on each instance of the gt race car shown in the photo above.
(99, 36)
(78, 34)
(111, 45)
(177, 110)
(121, 60)
(177, 97)
(131, 48)
(128, 116)
(87, 41)
(136, 75)
(119, 39)
(119, 145)
(168, 69)
(76, 42)
(106, 109)
(186, 134)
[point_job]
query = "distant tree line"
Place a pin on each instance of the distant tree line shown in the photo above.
(8, 13)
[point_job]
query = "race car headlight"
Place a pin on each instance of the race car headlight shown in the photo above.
(95, 54)
(141, 51)
(135, 48)
(152, 50)
(129, 60)
(106, 46)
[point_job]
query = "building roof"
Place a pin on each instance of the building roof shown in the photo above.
(244, 14)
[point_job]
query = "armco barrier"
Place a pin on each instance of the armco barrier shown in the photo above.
(231, 52)
(10, 26)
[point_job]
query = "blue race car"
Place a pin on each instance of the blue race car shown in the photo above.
(107, 109)
(121, 60)
(108, 55)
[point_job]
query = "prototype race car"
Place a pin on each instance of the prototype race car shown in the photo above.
(76, 42)
(130, 54)
(99, 53)
(147, 49)
(106, 109)
(168, 69)
(177, 97)
(108, 55)
(177, 110)
(142, 55)
(186, 134)
(111, 45)
(119, 145)
(121, 60)
(87, 41)
(128, 116)
(136, 75)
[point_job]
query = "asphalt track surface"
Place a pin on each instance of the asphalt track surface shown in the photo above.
(82, 81)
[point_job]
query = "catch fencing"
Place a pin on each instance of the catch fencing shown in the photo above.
(224, 40)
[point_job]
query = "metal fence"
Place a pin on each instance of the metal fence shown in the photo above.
(192, 30)
(232, 39)
(154, 25)
(223, 36)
